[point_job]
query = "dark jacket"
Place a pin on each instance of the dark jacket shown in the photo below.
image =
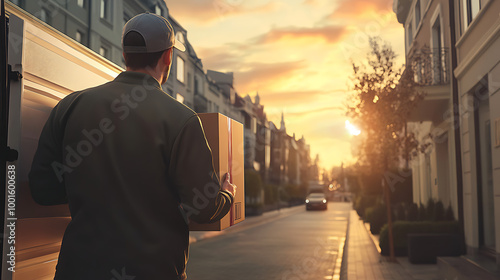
(125, 156)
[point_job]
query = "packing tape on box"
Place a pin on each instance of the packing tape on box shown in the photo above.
(230, 165)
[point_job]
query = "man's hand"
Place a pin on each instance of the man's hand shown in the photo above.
(227, 186)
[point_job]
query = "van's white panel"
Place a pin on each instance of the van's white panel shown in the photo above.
(53, 66)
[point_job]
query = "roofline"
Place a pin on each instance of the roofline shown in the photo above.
(172, 19)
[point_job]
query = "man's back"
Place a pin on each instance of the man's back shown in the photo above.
(128, 156)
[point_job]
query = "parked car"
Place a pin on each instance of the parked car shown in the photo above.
(316, 201)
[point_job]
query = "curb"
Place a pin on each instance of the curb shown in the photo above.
(372, 237)
(342, 272)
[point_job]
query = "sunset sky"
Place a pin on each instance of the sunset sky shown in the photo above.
(296, 53)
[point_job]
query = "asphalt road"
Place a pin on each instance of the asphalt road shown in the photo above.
(302, 245)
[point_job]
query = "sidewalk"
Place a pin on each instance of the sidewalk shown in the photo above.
(365, 262)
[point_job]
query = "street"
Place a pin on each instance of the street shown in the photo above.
(302, 245)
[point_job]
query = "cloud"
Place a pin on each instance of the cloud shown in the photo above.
(290, 98)
(207, 11)
(357, 8)
(220, 59)
(315, 111)
(285, 98)
(262, 75)
(330, 34)
(311, 2)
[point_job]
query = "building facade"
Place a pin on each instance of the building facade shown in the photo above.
(478, 78)
(427, 54)
(462, 99)
(96, 24)
(263, 140)
(186, 79)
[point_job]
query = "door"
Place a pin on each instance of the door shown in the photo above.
(485, 176)
(443, 169)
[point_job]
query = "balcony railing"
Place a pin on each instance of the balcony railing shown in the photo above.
(430, 66)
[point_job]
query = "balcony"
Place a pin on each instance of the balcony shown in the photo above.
(430, 66)
(401, 9)
(432, 75)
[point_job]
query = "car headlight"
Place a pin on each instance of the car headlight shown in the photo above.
(324, 200)
(307, 200)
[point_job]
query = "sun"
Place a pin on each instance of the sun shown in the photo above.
(352, 129)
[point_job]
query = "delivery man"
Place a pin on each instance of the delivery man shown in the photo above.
(134, 166)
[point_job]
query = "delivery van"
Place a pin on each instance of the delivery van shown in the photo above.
(46, 66)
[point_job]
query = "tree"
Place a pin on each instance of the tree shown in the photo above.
(383, 100)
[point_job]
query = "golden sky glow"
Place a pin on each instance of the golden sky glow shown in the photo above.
(296, 53)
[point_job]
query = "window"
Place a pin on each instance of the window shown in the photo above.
(189, 81)
(45, 16)
(417, 13)
(158, 10)
(80, 3)
(103, 51)
(438, 64)
(179, 37)
(78, 36)
(248, 121)
(475, 6)
(197, 85)
(180, 69)
(180, 98)
(470, 9)
(410, 34)
(105, 11)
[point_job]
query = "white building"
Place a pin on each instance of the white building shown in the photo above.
(462, 79)
(478, 78)
(427, 50)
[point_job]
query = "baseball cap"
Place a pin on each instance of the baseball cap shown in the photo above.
(155, 34)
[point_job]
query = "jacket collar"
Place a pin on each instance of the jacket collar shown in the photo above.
(138, 78)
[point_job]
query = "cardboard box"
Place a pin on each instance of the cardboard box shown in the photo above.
(225, 138)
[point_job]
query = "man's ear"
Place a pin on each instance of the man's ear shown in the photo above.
(167, 56)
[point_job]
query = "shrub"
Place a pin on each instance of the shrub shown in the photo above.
(368, 216)
(438, 211)
(296, 194)
(430, 210)
(448, 216)
(254, 209)
(402, 186)
(401, 230)
(364, 201)
(377, 217)
(401, 212)
(413, 212)
(254, 203)
(270, 192)
(253, 183)
(422, 214)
